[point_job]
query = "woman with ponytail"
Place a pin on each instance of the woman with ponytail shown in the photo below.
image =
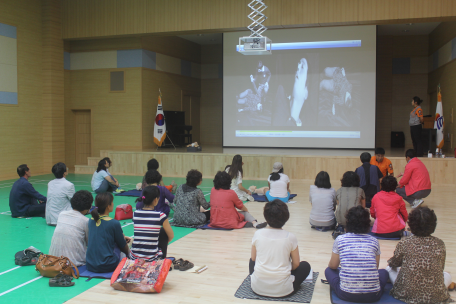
(415, 121)
(106, 238)
(152, 229)
(279, 184)
(235, 172)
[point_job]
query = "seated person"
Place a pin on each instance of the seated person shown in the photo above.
(279, 184)
(102, 180)
(415, 183)
(71, 235)
(348, 196)
(153, 178)
(358, 254)
(190, 206)
(236, 172)
(388, 210)
(421, 259)
(224, 202)
(275, 269)
(24, 200)
(106, 238)
(369, 177)
(150, 243)
(323, 200)
(152, 164)
(60, 192)
(383, 163)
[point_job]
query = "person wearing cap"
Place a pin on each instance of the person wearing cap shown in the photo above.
(279, 184)
(383, 163)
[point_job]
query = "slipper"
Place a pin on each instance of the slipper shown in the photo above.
(452, 286)
(61, 280)
(186, 265)
(177, 263)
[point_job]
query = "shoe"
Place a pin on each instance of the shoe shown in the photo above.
(452, 286)
(61, 280)
(406, 233)
(186, 265)
(250, 198)
(177, 263)
(119, 190)
(417, 202)
(248, 225)
(262, 225)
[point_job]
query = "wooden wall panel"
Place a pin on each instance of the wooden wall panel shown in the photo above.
(173, 46)
(131, 15)
(441, 35)
(105, 44)
(116, 117)
(70, 140)
(304, 12)
(171, 86)
(211, 111)
(337, 12)
(22, 124)
(410, 46)
(258, 167)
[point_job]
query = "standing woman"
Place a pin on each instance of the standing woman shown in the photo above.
(235, 172)
(416, 119)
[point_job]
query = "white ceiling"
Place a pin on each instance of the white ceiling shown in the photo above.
(406, 29)
(204, 39)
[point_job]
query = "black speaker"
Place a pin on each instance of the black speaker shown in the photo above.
(397, 140)
(428, 139)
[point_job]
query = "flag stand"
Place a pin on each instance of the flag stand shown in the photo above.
(169, 141)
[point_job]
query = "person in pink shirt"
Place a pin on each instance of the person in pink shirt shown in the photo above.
(388, 210)
(415, 183)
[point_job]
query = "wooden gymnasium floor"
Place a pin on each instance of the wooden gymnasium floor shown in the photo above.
(226, 253)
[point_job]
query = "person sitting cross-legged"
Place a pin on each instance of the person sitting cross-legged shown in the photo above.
(388, 210)
(60, 192)
(24, 200)
(323, 199)
(153, 178)
(71, 235)
(275, 267)
(102, 180)
(358, 254)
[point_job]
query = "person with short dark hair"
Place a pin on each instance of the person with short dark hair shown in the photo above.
(279, 184)
(102, 180)
(71, 235)
(224, 203)
(190, 205)
(358, 255)
(388, 210)
(153, 164)
(348, 196)
(106, 238)
(415, 183)
(415, 121)
(153, 178)
(369, 177)
(150, 243)
(383, 163)
(60, 192)
(24, 200)
(275, 267)
(421, 258)
(323, 199)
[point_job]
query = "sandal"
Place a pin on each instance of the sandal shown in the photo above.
(186, 265)
(178, 263)
(61, 280)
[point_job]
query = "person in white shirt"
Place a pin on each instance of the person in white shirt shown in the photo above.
(275, 269)
(60, 192)
(235, 171)
(71, 235)
(279, 184)
(102, 180)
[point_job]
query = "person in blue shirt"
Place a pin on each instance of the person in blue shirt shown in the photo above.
(24, 200)
(106, 238)
(102, 180)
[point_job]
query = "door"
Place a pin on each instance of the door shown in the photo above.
(83, 136)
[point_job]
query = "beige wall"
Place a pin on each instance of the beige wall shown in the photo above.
(395, 91)
(22, 125)
(446, 77)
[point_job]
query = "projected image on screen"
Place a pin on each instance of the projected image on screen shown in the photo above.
(309, 93)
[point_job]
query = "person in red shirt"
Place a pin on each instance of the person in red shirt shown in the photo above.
(383, 163)
(415, 183)
(388, 210)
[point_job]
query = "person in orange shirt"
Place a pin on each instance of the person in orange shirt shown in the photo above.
(383, 163)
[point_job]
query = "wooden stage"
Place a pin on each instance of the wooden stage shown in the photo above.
(299, 164)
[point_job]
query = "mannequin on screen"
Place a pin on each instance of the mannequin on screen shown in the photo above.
(300, 91)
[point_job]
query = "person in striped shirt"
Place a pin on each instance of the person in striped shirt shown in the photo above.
(152, 229)
(358, 279)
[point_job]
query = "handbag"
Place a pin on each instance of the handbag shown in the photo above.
(140, 276)
(124, 212)
(27, 257)
(49, 266)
